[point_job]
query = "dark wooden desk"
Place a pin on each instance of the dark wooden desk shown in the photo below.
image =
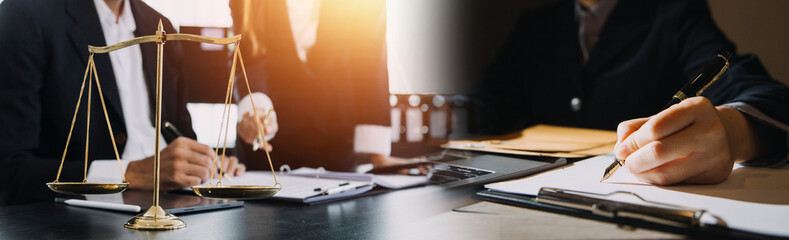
(369, 217)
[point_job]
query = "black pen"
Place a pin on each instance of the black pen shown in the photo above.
(170, 129)
(709, 74)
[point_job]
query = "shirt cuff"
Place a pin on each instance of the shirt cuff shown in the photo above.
(373, 139)
(766, 161)
(262, 101)
(106, 171)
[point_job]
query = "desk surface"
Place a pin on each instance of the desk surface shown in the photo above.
(424, 212)
(368, 217)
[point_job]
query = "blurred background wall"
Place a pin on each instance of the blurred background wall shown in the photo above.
(760, 27)
(756, 26)
(437, 50)
(475, 31)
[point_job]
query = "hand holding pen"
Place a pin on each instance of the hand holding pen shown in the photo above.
(690, 141)
(248, 129)
(232, 166)
(184, 163)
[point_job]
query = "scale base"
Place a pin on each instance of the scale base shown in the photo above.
(155, 219)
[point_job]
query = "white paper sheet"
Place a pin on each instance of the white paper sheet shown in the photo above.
(299, 188)
(391, 181)
(751, 199)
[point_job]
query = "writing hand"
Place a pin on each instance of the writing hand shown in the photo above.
(692, 142)
(184, 163)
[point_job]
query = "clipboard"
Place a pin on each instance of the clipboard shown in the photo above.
(752, 199)
(647, 214)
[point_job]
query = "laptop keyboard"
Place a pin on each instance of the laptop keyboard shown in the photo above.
(444, 173)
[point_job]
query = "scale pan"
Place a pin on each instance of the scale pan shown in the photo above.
(87, 188)
(236, 192)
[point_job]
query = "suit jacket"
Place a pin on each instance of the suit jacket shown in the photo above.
(647, 50)
(342, 84)
(44, 46)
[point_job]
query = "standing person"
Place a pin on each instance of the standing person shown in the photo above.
(323, 63)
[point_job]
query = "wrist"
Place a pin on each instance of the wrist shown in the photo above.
(739, 134)
(133, 175)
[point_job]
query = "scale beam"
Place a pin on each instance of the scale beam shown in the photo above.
(165, 37)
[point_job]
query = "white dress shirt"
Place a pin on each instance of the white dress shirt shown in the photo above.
(304, 24)
(127, 68)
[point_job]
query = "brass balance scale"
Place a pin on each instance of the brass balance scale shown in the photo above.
(155, 218)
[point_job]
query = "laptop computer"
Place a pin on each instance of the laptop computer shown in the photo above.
(451, 170)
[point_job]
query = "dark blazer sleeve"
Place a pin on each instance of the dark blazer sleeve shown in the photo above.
(746, 81)
(22, 64)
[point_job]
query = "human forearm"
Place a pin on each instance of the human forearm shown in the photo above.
(740, 134)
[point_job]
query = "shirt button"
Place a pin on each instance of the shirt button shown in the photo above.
(575, 104)
(120, 138)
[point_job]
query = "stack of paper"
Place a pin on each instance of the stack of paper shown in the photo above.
(544, 140)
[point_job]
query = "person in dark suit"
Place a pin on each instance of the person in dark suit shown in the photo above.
(599, 63)
(323, 64)
(44, 56)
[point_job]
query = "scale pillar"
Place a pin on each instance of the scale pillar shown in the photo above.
(156, 218)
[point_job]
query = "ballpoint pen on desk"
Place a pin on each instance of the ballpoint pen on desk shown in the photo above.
(100, 205)
(172, 130)
(709, 74)
(323, 190)
(340, 189)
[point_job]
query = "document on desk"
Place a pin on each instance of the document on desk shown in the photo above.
(544, 140)
(752, 199)
(307, 185)
(305, 189)
(391, 181)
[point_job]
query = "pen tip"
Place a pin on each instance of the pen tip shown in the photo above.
(606, 176)
(611, 169)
